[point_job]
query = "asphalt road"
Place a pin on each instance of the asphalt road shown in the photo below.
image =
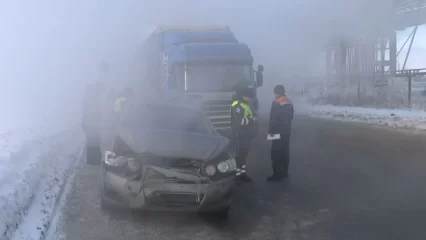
(348, 181)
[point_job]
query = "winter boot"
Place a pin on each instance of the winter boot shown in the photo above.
(245, 178)
(275, 176)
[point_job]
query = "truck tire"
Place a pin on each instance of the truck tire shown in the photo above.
(93, 155)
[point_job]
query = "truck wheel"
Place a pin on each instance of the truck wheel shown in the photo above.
(93, 155)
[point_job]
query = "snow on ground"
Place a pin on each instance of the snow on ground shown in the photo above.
(35, 163)
(399, 118)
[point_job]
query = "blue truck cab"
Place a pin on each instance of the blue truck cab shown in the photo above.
(201, 65)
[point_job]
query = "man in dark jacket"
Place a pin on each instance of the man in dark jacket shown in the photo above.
(280, 120)
(243, 123)
(92, 116)
(122, 101)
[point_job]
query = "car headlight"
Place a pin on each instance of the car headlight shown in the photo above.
(133, 165)
(111, 159)
(223, 167)
(210, 170)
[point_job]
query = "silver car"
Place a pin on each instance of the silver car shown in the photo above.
(167, 157)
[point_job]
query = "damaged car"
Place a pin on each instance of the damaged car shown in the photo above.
(163, 156)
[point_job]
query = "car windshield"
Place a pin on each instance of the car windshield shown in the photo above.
(217, 77)
(168, 117)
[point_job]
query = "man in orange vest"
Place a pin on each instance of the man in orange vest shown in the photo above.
(280, 120)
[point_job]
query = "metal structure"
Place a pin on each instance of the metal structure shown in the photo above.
(409, 74)
(372, 56)
(409, 13)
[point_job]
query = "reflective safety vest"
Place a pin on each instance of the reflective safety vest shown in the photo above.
(248, 113)
(118, 102)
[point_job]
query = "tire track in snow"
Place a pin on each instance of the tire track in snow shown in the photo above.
(57, 167)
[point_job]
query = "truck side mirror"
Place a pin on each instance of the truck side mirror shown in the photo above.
(259, 78)
(260, 68)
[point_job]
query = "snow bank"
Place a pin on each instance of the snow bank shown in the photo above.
(34, 166)
(404, 118)
(364, 93)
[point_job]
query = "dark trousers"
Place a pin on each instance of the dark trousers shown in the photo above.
(280, 155)
(93, 149)
(242, 151)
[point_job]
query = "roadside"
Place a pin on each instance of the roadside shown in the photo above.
(35, 164)
(395, 118)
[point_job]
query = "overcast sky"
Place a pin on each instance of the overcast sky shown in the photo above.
(50, 48)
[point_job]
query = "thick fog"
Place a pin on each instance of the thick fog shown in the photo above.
(50, 49)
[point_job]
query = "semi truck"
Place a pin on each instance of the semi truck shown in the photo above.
(201, 65)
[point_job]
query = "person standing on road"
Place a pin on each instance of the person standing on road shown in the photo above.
(280, 119)
(243, 126)
(123, 100)
(92, 114)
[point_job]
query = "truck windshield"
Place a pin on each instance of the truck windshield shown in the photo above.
(217, 77)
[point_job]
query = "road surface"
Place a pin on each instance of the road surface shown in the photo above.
(348, 181)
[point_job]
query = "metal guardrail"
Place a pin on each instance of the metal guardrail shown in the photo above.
(404, 6)
(409, 13)
(377, 75)
(410, 72)
(380, 80)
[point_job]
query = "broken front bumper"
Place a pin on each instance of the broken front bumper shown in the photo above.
(165, 194)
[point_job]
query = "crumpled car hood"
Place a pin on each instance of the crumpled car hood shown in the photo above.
(174, 144)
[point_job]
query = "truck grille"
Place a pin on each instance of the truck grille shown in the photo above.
(218, 113)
